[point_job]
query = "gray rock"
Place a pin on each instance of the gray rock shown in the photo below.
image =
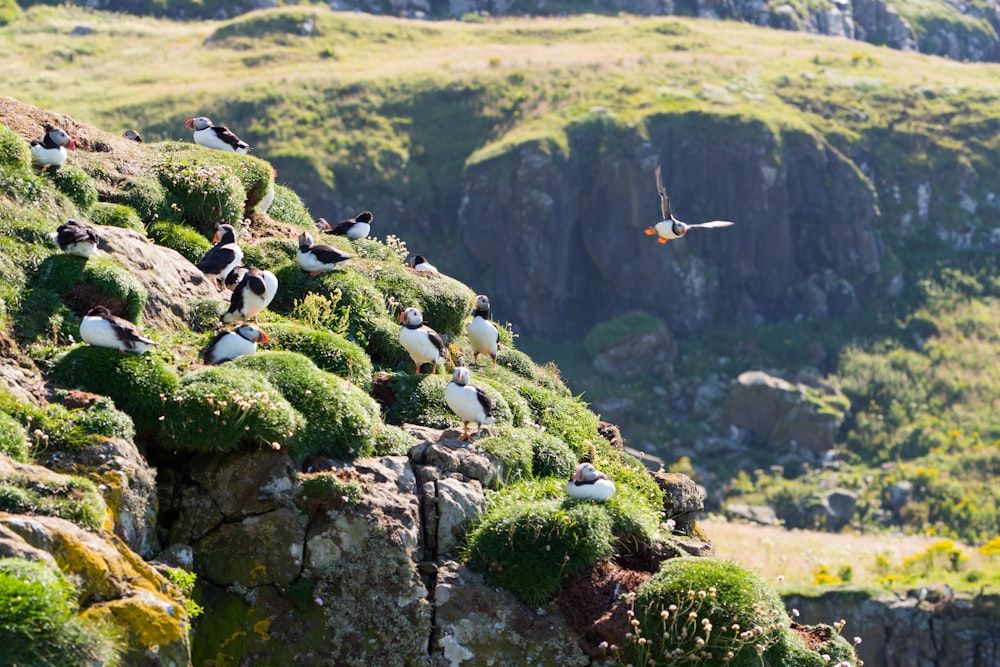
(842, 504)
(761, 514)
(639, 354)
(459, 504)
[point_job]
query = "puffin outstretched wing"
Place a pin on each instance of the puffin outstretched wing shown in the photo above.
(664, 197)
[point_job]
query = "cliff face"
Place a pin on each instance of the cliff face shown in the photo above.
(562, 234)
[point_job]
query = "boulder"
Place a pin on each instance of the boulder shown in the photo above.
(639, 354)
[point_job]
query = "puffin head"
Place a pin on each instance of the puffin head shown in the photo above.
(252, 333)
(98, 311)
(418, 260)
(322, 225)
(60, 138)
(678, 228)
(365, 216)
(133, 135)
(305, 241)
(586, 473)
(460, 376)
(482, 302)
(199, 123)
(224, 232)
(411, 317)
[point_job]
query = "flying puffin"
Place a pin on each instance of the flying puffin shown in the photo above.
(76, 238)
(223, 257)
(49, 150)
(421, 265)
(133, 135)
(670, 227)
(483, 334)
(315, 259)
(218, 137)
(423, 343)
(231, 344)
(102, 329)
(353, 228)
(590, 484)
(468, 401)
(252, 295)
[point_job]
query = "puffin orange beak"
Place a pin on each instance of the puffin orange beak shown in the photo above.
(72, 145)
(215, 236)
(402, 315)
(189, 123)
(263, 337)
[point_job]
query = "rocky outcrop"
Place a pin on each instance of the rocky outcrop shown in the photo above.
(940, 631)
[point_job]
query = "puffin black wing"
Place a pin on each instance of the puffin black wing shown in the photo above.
(435, 338)
(254, 280)
(228, 136)
(664, 197)
(208, 348)
(216, 259)
(74, 232)
(484, 401)
(330, 255)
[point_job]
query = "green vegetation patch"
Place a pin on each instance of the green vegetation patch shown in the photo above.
(619, 330)
(53, 427)
(72, 498)
(341, 420)
(138, 384)
(116, 215)
(287, 207)
(219, 409)
(562, 416)
(706, 606)
(13, 438)
(41, 622)
(176, 236)
(329, 351)
(532, 537)
(444, 302)
(75, 184)
(85, 283)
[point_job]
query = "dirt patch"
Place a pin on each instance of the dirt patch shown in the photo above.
(815, 636)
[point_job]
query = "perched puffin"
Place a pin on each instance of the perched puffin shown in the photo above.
(218, 137)
(133, 135)
(423, 343)
(469, 402)
(353, 228)
(315, 259)
(670, 227)
(102, 329)
(590, 484)
(49, 150)
(231, 344)
(421, 265)
(76, 238)
(223, 257)
(252, 295)
(483, 334)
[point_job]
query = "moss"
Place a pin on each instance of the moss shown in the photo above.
(532, 537)
(393, 441)
(13, 438)
(139, 385)
(42, 626)
(791, 649)
(328, 489)
(220, 408)
(614, 332)
(203, 192)
(329, 351)
(444, 302)
(85, 283)
(75, 184)
(203, 315)
(185, 240)
(511, 449)
(517, 361)
(550, 456)
(269, 253)
(15, 156)
(72, 498)
(341, 420)
(287, 207)
(380, 338)
(54, 427)
(720, 591)
(565, 417)
(103, 419)
(147, 196)
(116, 215)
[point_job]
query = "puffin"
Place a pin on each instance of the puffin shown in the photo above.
(315, 259)
(132, 135)
(49, 150)
(483, 334)
(670, 227)
(421, 265)
(223, 257)
(76, 238)
(231, 344)
(468, 401)
(218, 137)
(588, 483)
(252, 295)
(353, 228)
(102, 329)
(234, 277)
(423, 343)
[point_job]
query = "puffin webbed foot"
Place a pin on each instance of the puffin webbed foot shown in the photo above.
(650, 231)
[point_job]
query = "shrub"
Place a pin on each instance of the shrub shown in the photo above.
(13, 438)
(532, 537)
(550, 456)
(85, 283)
(116, 215)
(517, 361)
(329, 351)
(608, 334)
(341, 420)
(75, 184)
(72, 498)
(287, 207)
(42, 626)
(218, 409)
(181, 238)
(699, 606)
(138, 384)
